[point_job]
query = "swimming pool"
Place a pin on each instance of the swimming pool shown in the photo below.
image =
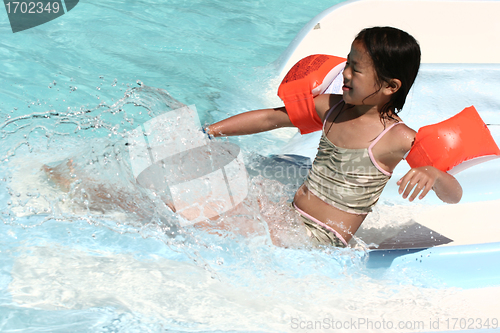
(66, 94)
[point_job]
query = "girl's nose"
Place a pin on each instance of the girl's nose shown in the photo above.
(347, 72)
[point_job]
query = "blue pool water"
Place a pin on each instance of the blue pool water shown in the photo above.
(74, 87)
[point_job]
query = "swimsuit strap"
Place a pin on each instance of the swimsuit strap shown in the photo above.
(383, 133)
(375, 142)
(328, 115)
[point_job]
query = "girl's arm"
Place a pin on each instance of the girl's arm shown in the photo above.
(265, 119)
(423, 179)
(251, 122)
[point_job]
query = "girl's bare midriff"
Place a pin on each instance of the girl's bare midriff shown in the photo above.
(344, 223)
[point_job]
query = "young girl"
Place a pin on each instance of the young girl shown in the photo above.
(363, 138)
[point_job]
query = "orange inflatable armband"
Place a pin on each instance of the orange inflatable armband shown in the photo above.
(308, 78)
(455, 144)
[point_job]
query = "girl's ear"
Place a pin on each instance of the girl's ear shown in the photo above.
(392, 86)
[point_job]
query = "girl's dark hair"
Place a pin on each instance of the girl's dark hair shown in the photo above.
(395, 55)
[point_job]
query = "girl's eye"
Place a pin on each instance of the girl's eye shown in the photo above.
(348, 64)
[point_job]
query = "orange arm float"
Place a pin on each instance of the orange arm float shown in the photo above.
(455, 144)
(308, 78)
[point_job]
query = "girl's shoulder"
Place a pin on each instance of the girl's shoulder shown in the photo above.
(394, 145)
(325, 102)
(400, 137)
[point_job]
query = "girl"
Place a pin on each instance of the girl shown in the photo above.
(363, 138)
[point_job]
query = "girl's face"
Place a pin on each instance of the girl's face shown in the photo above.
(361, 86)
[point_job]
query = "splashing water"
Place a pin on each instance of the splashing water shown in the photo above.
(111, 256)
(78, 159)
(84, 248)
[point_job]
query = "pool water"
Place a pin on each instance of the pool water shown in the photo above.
(72, 89)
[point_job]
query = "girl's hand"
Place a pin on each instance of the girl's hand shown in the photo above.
(422, 180)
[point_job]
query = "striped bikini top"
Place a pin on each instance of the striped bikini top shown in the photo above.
(348, 179)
